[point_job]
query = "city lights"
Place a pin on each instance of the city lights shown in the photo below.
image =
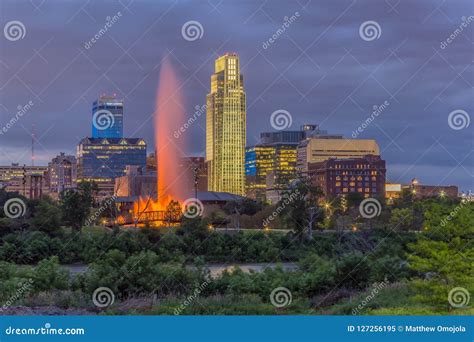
(301, 167)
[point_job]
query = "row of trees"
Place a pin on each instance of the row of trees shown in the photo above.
(193, 239)
(301, 209)
(323, 280)
(307, 211)
(143, 275)
(74, 208)
(426, 244)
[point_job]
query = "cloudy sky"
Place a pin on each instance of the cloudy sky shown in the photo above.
(322, 67)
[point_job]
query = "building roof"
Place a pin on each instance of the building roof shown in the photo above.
(372, 160)
(204, 196)
(367, 157)
(113, 141)
(127, 199)
(208, 196)
(336, 146)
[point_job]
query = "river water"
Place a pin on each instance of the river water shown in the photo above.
(215, 269)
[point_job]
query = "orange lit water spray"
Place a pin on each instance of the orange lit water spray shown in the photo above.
(168, 117)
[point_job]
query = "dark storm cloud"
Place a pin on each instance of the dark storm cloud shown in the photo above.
(319, 69)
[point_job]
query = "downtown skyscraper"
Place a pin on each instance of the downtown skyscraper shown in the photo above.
(106, 154)
(107, 117)
(226, 127)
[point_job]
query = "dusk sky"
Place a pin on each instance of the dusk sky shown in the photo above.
(321, 68)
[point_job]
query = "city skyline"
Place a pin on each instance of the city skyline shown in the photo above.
(308, 159)
(413, 132)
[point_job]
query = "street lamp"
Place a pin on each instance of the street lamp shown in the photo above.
(312, 216)
(327, 209)
(196, 178)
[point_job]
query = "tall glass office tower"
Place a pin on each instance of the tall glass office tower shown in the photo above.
(225, 127)
(107, 117)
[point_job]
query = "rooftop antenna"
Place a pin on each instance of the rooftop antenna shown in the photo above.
(33, 145)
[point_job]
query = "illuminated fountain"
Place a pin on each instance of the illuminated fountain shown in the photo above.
(168, 116)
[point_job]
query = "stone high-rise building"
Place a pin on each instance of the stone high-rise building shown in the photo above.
(320, 148)
(341, 176)
(62, 172)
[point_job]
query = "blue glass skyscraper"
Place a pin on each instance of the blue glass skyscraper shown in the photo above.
(101, 160)
(108, 157)
(107, 117)
(104, 156)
